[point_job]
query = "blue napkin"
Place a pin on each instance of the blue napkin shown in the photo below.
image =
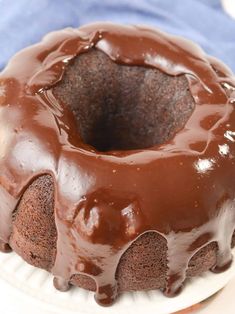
(24, 22)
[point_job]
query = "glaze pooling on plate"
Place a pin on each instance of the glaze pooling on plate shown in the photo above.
(184, 188)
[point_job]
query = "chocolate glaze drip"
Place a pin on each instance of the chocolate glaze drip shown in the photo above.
(99, 212)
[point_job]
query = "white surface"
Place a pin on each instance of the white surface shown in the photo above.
(229, 7)
(223, 303)
(28, 290)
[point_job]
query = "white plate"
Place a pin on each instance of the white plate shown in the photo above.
(32, 288)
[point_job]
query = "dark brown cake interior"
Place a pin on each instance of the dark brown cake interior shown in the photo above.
(123, 107)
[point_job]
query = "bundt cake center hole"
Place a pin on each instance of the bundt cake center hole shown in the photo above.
(122, 107)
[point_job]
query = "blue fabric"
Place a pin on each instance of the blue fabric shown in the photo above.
(23, 22)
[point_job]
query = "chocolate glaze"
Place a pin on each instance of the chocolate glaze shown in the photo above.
(182, 189)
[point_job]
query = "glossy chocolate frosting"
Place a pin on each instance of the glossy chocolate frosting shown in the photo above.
(182, 189)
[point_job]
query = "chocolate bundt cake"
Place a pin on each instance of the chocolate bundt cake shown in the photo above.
(117, 158)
